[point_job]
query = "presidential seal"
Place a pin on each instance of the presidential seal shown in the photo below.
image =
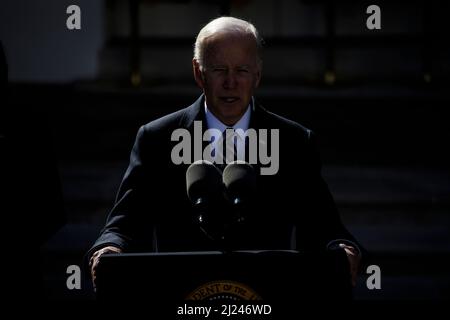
(223, 290)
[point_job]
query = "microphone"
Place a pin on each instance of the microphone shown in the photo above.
(204, 187)
(239, 179)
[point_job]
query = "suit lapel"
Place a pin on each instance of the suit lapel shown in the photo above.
(195, 112)
(257, 121)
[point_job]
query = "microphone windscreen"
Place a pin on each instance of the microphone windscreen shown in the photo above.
(239, 178)
(203, 180)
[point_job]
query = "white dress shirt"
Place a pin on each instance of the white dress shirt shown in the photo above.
(244, 122)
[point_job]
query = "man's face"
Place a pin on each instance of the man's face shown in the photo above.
(230, 75)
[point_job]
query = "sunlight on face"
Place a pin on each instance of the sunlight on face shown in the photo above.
(230, 75)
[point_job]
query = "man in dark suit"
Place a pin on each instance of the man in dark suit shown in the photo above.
(293, 209)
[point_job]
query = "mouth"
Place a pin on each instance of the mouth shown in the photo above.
(229, 99)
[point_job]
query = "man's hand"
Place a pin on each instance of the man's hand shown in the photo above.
(354, 258)
(93, 262)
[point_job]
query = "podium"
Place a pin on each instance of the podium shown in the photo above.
(274, 277)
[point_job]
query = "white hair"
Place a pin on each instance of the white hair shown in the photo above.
(224, 25)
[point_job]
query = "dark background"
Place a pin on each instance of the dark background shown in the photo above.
(377, 100)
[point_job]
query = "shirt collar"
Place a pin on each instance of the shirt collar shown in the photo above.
(213, 123)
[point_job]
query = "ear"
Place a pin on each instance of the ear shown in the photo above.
(198, 75)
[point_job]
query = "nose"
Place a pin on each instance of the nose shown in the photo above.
(230, 80)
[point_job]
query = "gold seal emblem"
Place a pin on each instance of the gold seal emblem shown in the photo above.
(223, 290)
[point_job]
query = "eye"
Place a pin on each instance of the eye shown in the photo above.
(218, 69)
(243, 70)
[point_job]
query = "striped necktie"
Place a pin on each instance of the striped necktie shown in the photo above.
(229, 148)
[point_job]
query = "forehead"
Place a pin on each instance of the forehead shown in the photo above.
(226, 47)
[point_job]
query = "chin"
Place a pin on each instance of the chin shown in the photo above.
(234, 113)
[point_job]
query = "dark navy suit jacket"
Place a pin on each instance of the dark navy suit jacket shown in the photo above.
(294, 208)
